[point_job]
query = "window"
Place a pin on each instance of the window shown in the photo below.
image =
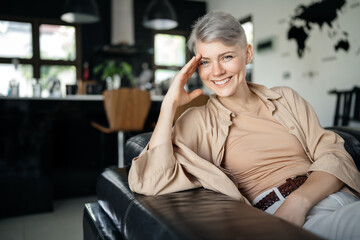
(38, 50)
(57, 42)
(169, 57)
(248, 26)
(16, 36)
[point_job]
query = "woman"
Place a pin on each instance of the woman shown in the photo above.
(248, 141)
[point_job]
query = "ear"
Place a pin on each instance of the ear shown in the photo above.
(249, 53)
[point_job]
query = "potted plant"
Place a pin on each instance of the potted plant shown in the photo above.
(116, 74)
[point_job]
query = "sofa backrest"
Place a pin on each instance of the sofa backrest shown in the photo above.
(351, 137)
(134, 146)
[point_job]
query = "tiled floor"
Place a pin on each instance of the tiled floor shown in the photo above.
(64, 223)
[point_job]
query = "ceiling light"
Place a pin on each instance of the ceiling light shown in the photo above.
(160, 15)
(80, 11)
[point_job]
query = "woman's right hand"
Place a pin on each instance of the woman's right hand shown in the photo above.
(176, 95)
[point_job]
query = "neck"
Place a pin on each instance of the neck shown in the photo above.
(243, 100)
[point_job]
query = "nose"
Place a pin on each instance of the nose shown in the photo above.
(217, 69)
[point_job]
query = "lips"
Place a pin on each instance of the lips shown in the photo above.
(222, 82)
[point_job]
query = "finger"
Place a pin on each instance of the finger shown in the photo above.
(188, 69)
(187, 73)
(198, 56)
(191, 66)
(196, 63)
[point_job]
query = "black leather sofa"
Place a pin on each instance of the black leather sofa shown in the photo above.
(193, 214)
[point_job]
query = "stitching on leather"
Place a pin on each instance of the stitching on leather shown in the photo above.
(95, 223)
(126, 214)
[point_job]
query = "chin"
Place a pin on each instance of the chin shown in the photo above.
(223, 94)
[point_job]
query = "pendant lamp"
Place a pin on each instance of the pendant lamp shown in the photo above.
(160, 15)
(80, 11)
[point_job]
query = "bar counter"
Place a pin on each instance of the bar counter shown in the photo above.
(154, 98)
(49, 150)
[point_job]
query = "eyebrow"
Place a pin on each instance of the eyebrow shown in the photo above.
(220, 55)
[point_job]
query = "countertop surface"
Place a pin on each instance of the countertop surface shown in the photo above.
(72, 98)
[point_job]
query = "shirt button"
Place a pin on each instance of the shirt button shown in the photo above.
(292, 128)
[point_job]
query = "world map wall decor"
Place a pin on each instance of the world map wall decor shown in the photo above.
(318, 13)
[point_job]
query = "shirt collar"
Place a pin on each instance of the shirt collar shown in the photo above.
(264, 93)
(220, 110)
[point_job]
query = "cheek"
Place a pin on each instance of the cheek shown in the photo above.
(203, 73)
(204, 76)
(236, 67)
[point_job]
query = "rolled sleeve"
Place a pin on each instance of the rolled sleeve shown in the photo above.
(339, 166)
(156, 171)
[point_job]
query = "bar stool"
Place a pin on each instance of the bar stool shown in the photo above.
(126, 110)
(350, 109)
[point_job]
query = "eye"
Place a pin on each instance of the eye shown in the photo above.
(228, 57)
(204, 63)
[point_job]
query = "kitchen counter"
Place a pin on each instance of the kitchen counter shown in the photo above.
(49, 150)
(73, 98)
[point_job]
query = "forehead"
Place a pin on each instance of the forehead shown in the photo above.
(216, 48)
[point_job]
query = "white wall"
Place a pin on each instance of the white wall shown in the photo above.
(271, 19)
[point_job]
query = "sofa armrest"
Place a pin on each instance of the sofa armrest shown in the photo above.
(193, 214)
(97, 225)
(114, 195)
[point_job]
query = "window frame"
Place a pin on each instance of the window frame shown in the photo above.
(36, 62)
(164, 67)
(249, 68)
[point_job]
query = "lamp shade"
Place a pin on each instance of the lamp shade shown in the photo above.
(160, 15)
(80, 11)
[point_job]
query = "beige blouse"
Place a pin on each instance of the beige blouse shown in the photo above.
(194, 155)
(261, 153)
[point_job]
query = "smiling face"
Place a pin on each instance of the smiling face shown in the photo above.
(223, 68)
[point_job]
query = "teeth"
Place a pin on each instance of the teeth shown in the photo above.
(222, 82)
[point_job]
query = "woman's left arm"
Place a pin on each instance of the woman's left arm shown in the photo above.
(331, 168)
(318, 186)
